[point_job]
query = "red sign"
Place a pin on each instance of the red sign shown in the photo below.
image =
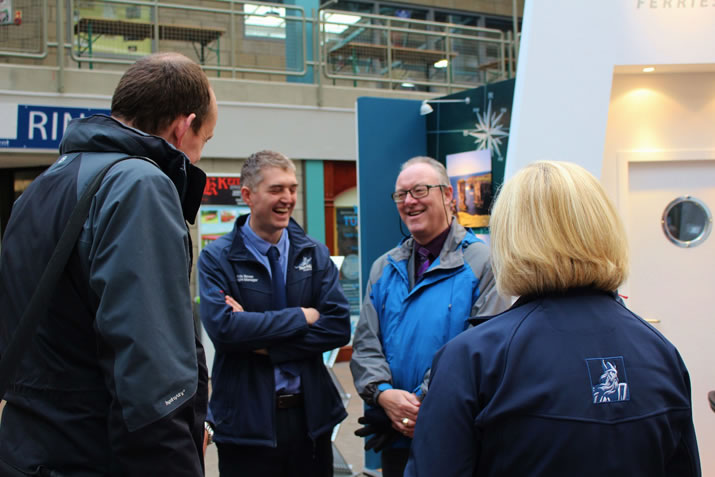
(222, 190)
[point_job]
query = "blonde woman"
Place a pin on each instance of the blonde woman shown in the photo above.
(567, 381)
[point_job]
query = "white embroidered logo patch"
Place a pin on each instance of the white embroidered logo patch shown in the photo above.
(242, 277)
(609, 382)
(305, 265)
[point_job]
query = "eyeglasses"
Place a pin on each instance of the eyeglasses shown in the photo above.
(417, 192)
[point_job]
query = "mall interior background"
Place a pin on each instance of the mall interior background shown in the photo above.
(288, 77)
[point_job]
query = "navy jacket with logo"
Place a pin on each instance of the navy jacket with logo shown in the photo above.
(561, 384)
(242, 406)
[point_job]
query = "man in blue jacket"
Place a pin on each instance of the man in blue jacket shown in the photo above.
(419, 296)
(271, 303)
(115, 381)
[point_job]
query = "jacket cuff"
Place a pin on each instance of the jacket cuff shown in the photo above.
(380, 388)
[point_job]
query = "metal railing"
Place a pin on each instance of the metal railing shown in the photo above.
(411, 52)
(219, 37)
(29, 38)
(264, 41)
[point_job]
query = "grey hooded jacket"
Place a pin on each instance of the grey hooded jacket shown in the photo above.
(115, 382)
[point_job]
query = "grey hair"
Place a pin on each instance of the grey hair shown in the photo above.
(251, 171)
(436, 165)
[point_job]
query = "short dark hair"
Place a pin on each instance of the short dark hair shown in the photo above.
(158, 88)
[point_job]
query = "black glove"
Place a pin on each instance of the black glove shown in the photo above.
(376, 424)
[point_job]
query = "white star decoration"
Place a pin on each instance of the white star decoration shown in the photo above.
(489, 132)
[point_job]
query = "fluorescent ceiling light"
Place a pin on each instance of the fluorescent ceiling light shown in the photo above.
(441, 63)
(648, 69)
(342, 18)
(265, 16)
(408, 85)
(339, 22)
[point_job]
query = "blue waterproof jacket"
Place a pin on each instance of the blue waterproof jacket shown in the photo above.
(403, 324)
(242, 406)
(566, 383)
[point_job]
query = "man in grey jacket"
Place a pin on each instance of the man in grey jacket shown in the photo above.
(115, 381)
(419, 296)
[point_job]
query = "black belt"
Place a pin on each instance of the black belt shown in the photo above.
(287, 401)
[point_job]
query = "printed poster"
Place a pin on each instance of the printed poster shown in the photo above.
(6, 17)
(221, 205)
(470, 174)
(346, 221)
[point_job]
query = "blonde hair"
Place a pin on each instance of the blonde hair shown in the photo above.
(554, 228)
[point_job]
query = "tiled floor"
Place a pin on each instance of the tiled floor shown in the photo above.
(349, 445)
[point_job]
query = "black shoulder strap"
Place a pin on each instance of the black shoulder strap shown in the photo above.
(39, 302)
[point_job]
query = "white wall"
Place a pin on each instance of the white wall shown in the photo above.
(568, 105)
(568, 53)
(658, 112)
(663, 117)
(307, 132)
(301, 132)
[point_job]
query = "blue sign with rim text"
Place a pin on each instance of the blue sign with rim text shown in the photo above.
(42, 127)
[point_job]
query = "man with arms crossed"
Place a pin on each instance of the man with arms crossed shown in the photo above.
(419, 296)
(271, 303)
(115, 381)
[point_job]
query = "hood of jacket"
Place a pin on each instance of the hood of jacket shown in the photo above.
(100, 133)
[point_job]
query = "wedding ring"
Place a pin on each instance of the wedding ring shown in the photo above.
(405, 421)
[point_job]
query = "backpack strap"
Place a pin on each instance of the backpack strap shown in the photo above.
(40, 300)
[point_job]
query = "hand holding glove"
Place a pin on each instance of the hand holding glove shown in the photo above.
(376, 424)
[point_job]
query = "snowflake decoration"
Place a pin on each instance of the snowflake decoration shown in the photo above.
(489, 131)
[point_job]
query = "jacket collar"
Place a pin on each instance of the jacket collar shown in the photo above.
(570, 292)
(238, 251)
(100, 133)
(525, 300)
(447, 259)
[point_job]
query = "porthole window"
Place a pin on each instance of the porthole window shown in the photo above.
(687, 221)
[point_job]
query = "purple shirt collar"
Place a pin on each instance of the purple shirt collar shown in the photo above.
(435, 246)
